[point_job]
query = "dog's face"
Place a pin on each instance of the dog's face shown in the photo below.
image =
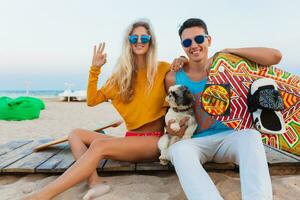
(180, 97)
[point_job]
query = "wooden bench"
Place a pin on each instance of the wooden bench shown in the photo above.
(18, 157)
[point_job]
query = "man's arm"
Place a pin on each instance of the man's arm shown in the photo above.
(260, 55)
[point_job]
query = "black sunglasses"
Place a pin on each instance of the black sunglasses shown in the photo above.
(199, 39)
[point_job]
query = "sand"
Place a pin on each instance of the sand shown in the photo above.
(59, 118)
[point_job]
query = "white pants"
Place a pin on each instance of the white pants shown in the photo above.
(243, 147)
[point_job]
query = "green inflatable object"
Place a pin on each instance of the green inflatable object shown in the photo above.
(21, 108)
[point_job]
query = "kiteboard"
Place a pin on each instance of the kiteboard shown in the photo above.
(227, 88)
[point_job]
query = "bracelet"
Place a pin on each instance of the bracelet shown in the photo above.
(185, 59)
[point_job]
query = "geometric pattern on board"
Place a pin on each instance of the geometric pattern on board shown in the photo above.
(271, 140)
(239, 74)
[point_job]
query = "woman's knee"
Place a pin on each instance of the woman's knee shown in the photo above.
(100, 147)
(76, 133)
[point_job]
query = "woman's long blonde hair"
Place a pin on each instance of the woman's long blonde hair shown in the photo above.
(125, 71)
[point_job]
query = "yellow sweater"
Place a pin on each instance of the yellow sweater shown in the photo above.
(144, 107)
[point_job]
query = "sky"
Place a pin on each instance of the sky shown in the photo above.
(49, 43)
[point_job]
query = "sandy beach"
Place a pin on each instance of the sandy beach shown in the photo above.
(59, 118)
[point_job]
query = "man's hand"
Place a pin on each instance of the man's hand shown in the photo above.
(178, 63)
(182, 125)
(99, 57)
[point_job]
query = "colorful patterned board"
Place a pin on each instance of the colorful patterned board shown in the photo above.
(238, 74)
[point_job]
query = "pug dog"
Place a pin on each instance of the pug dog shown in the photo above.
(181, 103)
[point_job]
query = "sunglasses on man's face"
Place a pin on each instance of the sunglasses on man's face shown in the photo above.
(133, 39)
(199, 39)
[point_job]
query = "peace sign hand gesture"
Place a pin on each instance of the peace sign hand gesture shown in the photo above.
(99, 57)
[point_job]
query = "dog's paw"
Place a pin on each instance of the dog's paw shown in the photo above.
(164, 162)
(186, 137)
(175, 127)
(162, 157)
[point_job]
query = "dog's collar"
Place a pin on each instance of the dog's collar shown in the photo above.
(182, 110)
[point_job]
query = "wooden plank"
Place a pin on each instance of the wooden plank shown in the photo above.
(17, 157)
(284, 170)
(151, 166)
(113, 165)
(283, 152)
(4, 148)
(67, 160)
(33, 160)
(50, 144)
(275, 157)
(60, 162)
(101, 165)
(19, 153)
(219, 166)
(57, 163)
(215, 166)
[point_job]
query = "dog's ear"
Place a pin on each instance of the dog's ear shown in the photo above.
(188, 97)
(187, 100)
(186, 92)
(173, 93)
(185, 88)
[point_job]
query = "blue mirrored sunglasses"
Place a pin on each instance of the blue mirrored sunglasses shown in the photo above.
(133, 39)
(199, 39)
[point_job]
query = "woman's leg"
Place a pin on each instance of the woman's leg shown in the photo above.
(124, 149)
(79, 140)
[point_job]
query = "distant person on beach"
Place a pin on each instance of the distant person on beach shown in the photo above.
(136, 89)
(213, 141)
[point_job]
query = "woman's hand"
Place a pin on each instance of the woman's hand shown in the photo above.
(99, 57)
(182, 129)
(178, 63)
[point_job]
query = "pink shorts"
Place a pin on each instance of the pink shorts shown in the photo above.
(157, 134)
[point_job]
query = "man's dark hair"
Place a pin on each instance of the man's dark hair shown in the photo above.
(192, 22)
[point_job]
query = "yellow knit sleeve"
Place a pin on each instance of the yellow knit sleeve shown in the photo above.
(95, 96)
(164, 66)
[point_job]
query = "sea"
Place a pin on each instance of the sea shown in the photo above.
(32, 93)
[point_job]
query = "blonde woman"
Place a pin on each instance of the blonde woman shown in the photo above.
(136, 89)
